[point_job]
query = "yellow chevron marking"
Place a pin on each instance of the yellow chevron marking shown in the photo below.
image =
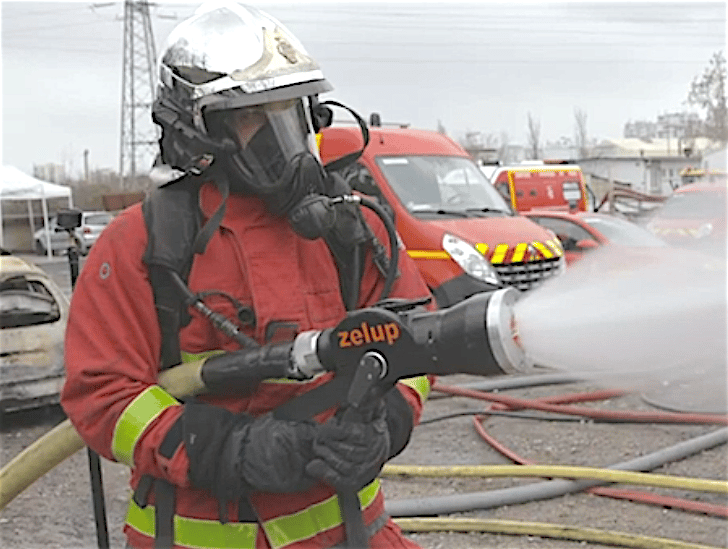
(543, 249)
(499, 254)
(519, 252)
(482, 247)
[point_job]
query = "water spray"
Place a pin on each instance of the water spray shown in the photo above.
(652, 322)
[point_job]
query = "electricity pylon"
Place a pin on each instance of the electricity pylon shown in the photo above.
(139, 81)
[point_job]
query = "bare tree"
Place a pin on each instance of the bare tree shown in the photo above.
(708, 92)
(580, 135)
(534, 137)
(441, 127)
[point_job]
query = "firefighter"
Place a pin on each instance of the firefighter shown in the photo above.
(236, 106)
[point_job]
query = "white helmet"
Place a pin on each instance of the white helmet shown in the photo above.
(228, 57)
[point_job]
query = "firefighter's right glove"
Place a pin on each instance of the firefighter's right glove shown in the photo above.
(350, 453)
(233, 454)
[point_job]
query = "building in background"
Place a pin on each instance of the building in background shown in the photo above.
(652, 167)
(55, 173)
(675, 126)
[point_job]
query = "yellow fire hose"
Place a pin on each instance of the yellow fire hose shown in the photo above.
(63, 441)
(556, 531)
(560, 471)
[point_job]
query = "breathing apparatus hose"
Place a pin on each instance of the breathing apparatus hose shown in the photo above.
(392, 264)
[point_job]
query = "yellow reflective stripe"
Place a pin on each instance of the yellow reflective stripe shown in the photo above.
(554, 245)
(420, 384)
(322, 516)
(196, 533)
(428, 254)
(482, 247)
(499, 254)
(543, 249)
(135, 419)
(512, 188)
(281, 531)
(520, 252)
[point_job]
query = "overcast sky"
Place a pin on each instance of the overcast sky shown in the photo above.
(477, 66)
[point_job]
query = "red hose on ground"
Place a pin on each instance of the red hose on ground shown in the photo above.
(502, 402)
(635, 417)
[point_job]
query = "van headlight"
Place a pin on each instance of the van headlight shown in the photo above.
(704, 230)
(470, 260)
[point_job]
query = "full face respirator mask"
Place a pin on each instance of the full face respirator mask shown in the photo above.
(276, 160)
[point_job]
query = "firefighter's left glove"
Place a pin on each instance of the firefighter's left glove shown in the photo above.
(232, 454)
(350, 452)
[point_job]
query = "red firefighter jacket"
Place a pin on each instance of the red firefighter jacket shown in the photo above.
(112, 359)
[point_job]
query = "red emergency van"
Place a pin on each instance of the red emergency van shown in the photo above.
(463, 235)
(539, 185)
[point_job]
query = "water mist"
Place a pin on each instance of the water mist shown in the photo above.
(642, 320)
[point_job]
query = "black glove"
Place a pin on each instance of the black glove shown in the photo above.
(350, 452)
(232, 454)
(275, 453)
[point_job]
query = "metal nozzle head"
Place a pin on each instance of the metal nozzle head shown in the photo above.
(304, 360)
(503, 332)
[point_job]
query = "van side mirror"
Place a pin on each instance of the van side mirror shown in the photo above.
(365, 183)
(586, 244)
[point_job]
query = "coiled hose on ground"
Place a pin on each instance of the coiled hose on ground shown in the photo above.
(593, 477)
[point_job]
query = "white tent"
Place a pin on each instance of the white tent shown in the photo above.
(17, 185)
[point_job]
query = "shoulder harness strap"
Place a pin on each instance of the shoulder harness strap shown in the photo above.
(173, 217)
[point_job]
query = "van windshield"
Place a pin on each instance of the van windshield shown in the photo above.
(447, 184)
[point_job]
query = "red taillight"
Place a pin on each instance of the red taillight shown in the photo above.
(86, 230)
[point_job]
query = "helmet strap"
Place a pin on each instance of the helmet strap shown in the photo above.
(212, 224)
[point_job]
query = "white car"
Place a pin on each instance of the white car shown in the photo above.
(92, 223)
(33, 316)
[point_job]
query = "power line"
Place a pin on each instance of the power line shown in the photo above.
(94, 51)
(138, 135)
(390, 60)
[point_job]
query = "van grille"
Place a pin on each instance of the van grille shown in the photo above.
(530, 274)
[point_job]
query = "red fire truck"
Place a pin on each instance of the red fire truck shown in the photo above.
(461, 232)
(537, 184)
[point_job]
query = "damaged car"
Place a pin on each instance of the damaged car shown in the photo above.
(33, 316)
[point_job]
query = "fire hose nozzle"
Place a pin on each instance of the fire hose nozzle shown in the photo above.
(477, 336)
(502, 329)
